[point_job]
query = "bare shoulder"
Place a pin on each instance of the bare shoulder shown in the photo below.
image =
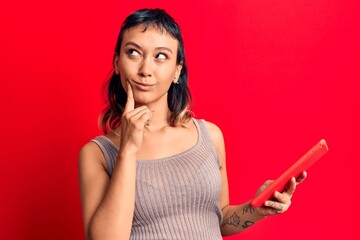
(89, 149)
(215, 133)
(90, 154)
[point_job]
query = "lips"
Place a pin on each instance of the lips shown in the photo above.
(143, 86)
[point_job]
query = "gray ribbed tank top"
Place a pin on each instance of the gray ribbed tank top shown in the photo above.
(177, 197)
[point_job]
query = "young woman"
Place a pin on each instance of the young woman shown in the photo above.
(158, 173)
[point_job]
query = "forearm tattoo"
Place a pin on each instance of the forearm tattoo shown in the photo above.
(247, 224)
(234, 219)
(248, 208)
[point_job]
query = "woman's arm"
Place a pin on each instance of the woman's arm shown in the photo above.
(108, 204)
(107, 214)
(237, 218)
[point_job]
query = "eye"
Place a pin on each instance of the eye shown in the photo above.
(161, 56)
(133, 52)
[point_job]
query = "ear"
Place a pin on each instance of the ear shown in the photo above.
(116, 64)
(177, 72)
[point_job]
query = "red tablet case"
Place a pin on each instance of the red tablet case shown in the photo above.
(306, 161)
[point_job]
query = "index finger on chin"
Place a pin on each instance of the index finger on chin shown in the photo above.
(130, 102)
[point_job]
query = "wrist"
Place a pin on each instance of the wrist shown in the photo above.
(257, 212)
(127, 154)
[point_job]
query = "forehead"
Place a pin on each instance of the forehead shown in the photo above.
(152, 37)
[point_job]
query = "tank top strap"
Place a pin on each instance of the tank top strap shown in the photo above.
(205, 138)
(109, 150)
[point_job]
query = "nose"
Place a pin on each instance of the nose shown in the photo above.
(145, 69)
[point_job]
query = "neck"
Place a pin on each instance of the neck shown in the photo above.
(159, 119)
(160, 115)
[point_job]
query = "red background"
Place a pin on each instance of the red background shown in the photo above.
(276, 76)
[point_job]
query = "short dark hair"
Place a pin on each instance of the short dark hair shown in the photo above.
(179, 97)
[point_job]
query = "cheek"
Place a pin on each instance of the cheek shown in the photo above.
(123, 79)
(126, 70)
(167, 73)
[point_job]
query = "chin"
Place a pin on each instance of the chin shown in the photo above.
(141, 100)
(146, 98)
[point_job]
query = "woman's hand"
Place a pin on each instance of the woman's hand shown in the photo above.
(133, 121)
(280, 202)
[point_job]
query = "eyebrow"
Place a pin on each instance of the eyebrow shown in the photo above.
(138, 46)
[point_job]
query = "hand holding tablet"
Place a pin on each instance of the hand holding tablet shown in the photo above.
(306, 161)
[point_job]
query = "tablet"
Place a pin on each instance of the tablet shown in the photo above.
(306, 161)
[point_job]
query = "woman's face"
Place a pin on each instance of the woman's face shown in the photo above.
(148, 61)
